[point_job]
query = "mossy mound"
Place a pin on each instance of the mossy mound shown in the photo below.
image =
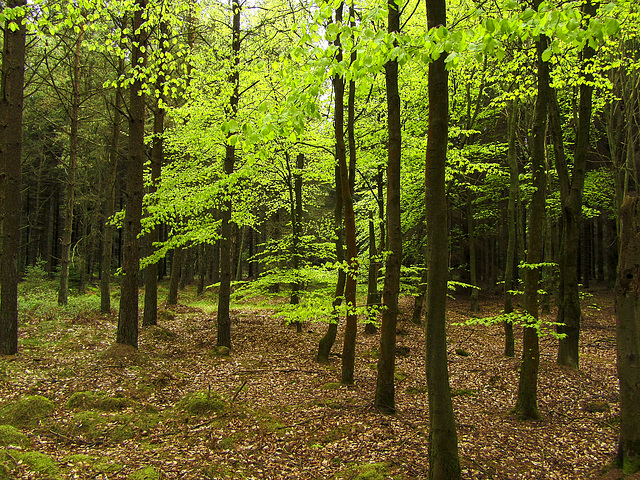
(200, 403)
(98, 401)
(12, 436)
(166, 315)
(123, 355)
(146, 473)
(7, 464)
(27, 411)
(115, 427)
(221, 351)
(367, 471)
(39, 463)
(161, 333)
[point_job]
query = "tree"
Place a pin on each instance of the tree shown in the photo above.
(443, 441)
(628, 335)
(385, 388)
(128, 314)
(11, 105)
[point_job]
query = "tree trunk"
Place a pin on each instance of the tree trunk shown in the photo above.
(326, 342)
(569, 313)
(373, 299)
(128, 313)
(63, 291)
(109, 203)
(511, 260)
(385, 384)
(473, 274)
(11, 103)
(150, 316)
(349, 345)
(628, 335)
(444, 463)
(224, 295)
(174, 278)
(418, 299)
(296, 223)
(527, 401)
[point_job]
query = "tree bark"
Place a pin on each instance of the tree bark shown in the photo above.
(174, 276)
(109, 204)
(385, 384)
(128, 314)
(63, 291)
(514, 190)
(444, 463)
(224, 295)
(628, 335)
(569, 313)
(11, 106)
(527, 401)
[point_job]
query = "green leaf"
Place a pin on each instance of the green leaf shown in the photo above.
(546, 55)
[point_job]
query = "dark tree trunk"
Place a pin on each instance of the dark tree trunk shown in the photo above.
(473, 270)
(128, 313)
(511, 260)
(224, 296)
(11, 105)
(628, 335)
(326, 342)
(385, 385)
(418, 299)
(174, 278)
(109, 203)
(527, 401)
(444, 463)
(351, 326)
(569, 313)
(63, 291)
(296, 219)
(202, 268)
(373, 298)
(150, 316)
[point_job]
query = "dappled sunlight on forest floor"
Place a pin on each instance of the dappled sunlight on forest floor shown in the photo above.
(180, 408)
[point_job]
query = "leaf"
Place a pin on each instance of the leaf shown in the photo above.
(546, 55)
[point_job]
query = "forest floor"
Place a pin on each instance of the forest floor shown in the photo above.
(178, 408)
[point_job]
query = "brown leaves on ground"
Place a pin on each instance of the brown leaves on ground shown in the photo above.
(286, 417)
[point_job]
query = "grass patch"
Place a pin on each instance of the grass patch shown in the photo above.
(28, 411)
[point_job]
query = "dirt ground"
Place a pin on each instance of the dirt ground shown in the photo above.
(278, 414)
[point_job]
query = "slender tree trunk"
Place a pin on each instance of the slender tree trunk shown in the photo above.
(385, 384)
(473, 270)
(628, 335)
(349, 345)
(527, 401)
(83, 250)
(372, 281)
(174, 278)
(418, 299)
(63, 291)
(296, 219)
(514, 190)
(109, 202)
(11, 104)
(326, 342)
(150, 316)
(569, 313)
(128, 314)
(444, 463)
(224, 296)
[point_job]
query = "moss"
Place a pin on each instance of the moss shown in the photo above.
(104, 465)
(214, 472)
(123, 355)
(39, 463)
(166, 316)
(94, 425)
(462, 352)
(27, 411)
(400, 376)
(98, 401)
(367, 471)
(463, 392)
(5, 472)
(12, 436)
(161, 333)
(220, 351)
(331, 386)
(199, 403)
(415, 390)
(146, 473)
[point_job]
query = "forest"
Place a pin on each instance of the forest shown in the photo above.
(320, 239)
